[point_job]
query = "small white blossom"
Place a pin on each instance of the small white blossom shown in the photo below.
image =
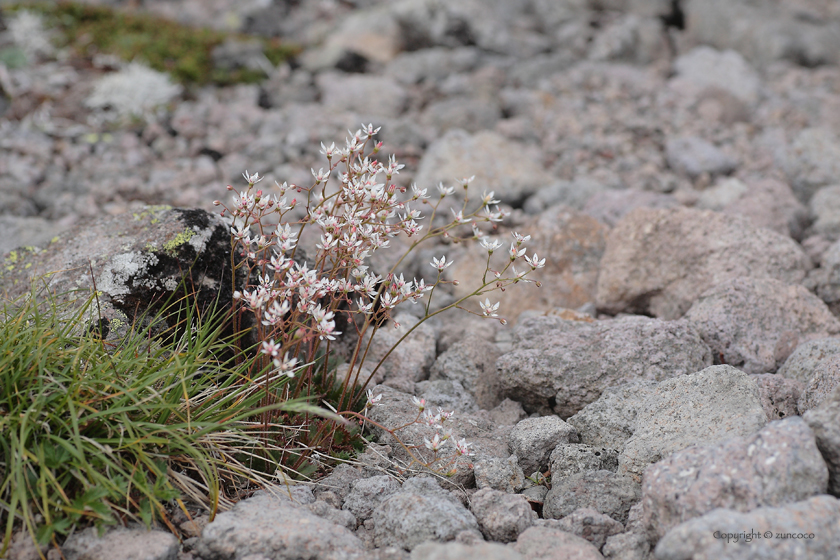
(419, 403)
(535, 262)
(441, 264)
(435, 444)
(488, 309)
(252, 179)
(489, 245)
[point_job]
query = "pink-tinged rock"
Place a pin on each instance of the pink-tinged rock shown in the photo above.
(756, 323)
(778, 465)
(571, 243)
(660, 261)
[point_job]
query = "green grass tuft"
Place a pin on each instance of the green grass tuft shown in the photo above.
(182, 51)
(92, 433)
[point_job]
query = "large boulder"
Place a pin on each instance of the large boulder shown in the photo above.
(135, 262)
(511, 169)
(778, 465)
(806, 529)
(278, 527)
(561, 366)
(703, 408)
(659, 261)
(756, 323)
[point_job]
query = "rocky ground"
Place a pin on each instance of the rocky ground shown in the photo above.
(678, 163)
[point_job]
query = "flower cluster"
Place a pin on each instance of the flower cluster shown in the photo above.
(355, 208)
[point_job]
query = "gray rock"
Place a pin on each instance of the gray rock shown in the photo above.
(824, 379)
(609, 421)
(274, 526)
(433, 64)
(366, 494)
(630, 39)
(825, 213)
(767, 203)
(590, 525)
(693, 156)
(458, 551)
(446, 393)
(543, 543)
(697, 539)
(340, 481)
(824, 421)
(611, 205)
(561, 366)
(499, 474)
(506, 167)
(332, 514)
(779, 395)
(369, 95)
(803, 361)
(573, 458)
(767, 32)
(812, 162)
(472, 362)
(411, 359)
(604, 491)
(121, 544)
(421, 511)
(778, 465)
(533, 439)
(574, 194)
(755, 323)
(660, 261)
(825, 281)
(502, 517)
(627, 546)
(705, 68)
(702, 408)
(470, 113)
(31, 231)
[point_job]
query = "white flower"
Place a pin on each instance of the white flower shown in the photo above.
(371, 400)
(320, 175)
(445, 191)
(488, 309)
(487, 199)
(441, 264)
(520, 239)
(419, 403)
(435, 444)
(490, 245)
(462, 447)
(252, 179)
(535, 262)
(515, 253)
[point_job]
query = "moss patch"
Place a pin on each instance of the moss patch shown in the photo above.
(184, 52)
(171, 246)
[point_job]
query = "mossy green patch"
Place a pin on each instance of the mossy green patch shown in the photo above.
(182, 51)
(172, 245)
